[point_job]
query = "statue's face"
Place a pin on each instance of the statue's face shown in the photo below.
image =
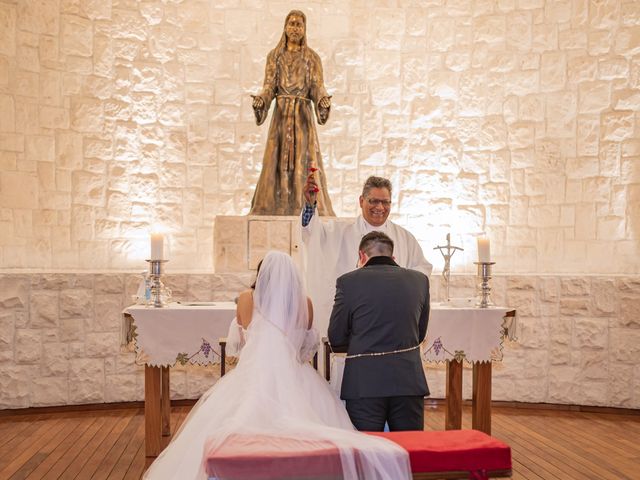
(294, 29)
(376, 206)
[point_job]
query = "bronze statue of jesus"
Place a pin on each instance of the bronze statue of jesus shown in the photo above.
(293, 77)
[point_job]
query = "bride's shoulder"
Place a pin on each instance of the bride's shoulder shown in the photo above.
(244, 308)
(246, 296)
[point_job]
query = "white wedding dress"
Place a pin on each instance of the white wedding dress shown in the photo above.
(274, 393)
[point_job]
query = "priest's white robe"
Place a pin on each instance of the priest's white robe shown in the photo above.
(331, 249)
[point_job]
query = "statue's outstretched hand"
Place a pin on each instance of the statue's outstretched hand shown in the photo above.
(258, 102)
(325, 102)
(311, 188)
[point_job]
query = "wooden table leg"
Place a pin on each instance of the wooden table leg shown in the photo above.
(481, 409)
(165, 403)
(152, 426)
(223, 357)
(327, 361)
(453, 411)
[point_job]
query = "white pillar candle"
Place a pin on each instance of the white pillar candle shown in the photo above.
(484, 252)
(157, 243)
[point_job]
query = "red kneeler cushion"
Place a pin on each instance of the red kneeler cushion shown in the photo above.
(268, 457)
(452, 450)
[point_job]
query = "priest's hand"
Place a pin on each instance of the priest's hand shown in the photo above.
(311, 188)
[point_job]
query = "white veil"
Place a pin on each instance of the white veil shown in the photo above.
(280, 297)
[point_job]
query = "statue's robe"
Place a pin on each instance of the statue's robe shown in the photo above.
(294, 80)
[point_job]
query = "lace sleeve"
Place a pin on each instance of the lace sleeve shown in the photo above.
(310, 345)
(235, 338)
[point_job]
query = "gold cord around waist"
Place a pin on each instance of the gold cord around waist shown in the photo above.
(380, 354)
(280, 95)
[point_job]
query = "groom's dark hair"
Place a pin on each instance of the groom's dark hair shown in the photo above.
(376, 244)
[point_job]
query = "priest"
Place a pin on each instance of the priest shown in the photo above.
(331, 245)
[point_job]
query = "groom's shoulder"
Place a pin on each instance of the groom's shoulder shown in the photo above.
(350, 276)
(414, 274)
(368, 271)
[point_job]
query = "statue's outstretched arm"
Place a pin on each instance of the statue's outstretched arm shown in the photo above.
(262, 101)
(319, 95)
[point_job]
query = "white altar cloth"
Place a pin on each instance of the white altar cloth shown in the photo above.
(180, 333)
(468, 333)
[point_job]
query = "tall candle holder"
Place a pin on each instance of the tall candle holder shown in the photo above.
(484, 273)
(155, 268)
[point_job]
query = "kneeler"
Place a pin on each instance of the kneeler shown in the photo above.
(450, 454)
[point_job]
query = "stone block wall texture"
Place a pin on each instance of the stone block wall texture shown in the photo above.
(518, 118)
(60, 338)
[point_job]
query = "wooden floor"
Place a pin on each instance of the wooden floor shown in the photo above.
(109, 444)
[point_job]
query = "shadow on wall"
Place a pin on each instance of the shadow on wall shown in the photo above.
(633, 212)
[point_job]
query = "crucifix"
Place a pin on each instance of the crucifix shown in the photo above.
(447, 252)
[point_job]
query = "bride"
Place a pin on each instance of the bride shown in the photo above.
(275, 397)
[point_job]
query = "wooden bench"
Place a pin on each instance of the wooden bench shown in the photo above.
(452, 454)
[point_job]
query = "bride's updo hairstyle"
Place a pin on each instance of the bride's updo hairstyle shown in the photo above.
(280, 297)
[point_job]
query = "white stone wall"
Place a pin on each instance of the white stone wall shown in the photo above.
(518, 118)
(577, 343)
(60, 337)
(514, 117)
(242, 241)
(578, 340)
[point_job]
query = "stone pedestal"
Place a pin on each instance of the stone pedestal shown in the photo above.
(240, 242)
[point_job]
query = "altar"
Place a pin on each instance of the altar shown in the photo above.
(455, 335)
(190, 333)
(179, 333)
(474, 335)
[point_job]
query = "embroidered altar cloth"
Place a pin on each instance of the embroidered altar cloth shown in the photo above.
(179, 333)
(468, 333)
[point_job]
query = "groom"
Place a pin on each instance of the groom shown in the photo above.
(381, 312)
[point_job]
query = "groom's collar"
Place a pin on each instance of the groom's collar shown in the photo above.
(381, 260)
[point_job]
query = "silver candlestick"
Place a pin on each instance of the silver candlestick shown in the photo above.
(156, 283)
(484, 273)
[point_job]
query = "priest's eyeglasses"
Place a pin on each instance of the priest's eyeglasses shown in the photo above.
(376, 202)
